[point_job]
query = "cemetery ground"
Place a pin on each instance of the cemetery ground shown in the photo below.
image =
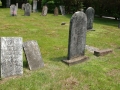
(98, 73)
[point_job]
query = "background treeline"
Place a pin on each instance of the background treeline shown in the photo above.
(102, 7)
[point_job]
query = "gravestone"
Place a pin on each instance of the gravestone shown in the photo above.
(27, 10)
(77, 38)
(8, 2)
(13, 10)
(62, 9)
(17, 6)
(90, 17)
(56, 12)
(44, 11)
(11, 60)
(34, 5)
(23, 6)
(33, 55)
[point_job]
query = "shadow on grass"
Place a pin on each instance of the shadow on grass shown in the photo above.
(58, 59)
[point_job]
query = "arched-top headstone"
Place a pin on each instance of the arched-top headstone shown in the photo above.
(27, 9)
(44, 10)
(77, 38)
(56, 12)
(90, 17)
(13, 10)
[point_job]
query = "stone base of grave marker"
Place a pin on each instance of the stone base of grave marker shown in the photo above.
(102, 52)
(76, 60)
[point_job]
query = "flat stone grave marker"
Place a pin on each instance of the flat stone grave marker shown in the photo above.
(13, 10)
(33, 55)
(34, 5)
(11, 59)
(62, 9)
(77, 38)
(44, 11)
(90, 17)
(56, 12)
(27, 11)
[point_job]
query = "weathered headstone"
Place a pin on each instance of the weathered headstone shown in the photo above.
(44, 11)
(17, 6)
(13, 10)
(33, 55)
(56, 12)
(11, 60)
(90, 17)
(118, 25)
(27, 11)
(62, 9)
(77, 38)
(23, 6)
(8, 2)
(34, 5)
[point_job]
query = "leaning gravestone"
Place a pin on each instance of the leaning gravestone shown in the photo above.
(11, 60)
(44, 11)
(27, 9)
(77, 38)
(62, 9)
(13, 10)
(56, 11)
(33, 55)
(34, 5)
(90, 17)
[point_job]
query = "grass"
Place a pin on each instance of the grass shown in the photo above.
(98, 73)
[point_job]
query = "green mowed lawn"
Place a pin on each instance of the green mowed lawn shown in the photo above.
(98, 73)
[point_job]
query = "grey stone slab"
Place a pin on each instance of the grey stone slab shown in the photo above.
(23, 6)
(8, 2)
(44, 11)
(102, 52)
(13, 10)
(33, 55)
(11, 59)
(27, 10)
(77, 35)
(62, 9)
(90, 17)
(34, 5)
(56, 12)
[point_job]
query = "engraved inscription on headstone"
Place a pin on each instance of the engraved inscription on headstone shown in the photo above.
(34, 5)
(90, 17)
(33, 55)
(27, 9)
(13, 10)
(62, 9)
(44, 11)
(56, 12)
(77, 38)
(11, 60)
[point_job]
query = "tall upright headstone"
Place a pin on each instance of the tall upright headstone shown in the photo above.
(23, 6)
(56, 12)
(17, 6)
(90, 17)
(27, 10)
(62, 9)
(8, 2)
(44, 10)
(33, 55)
(11, 60)
(13, 10)
(34, 5)
(77, 38)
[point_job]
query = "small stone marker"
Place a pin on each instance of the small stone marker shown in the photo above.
(56, 11)
(11, 60)
(90, 17)
(27, 9)
(13, 10)
(102, 52)
(33, 55)
(77, 38)
(44, 11)
(62, 9)
(34, 5)
(23, 6)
